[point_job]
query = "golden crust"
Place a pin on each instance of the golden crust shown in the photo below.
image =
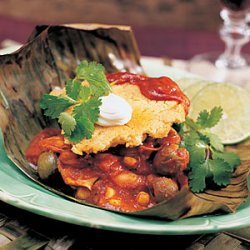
(154, 118)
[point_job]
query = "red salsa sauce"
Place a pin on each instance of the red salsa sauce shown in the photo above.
(123, 179)
(159, 89)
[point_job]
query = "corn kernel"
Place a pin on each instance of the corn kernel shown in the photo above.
(143, 198)
(130, 162)
(110, 192)
(115, 202)
(82, 193)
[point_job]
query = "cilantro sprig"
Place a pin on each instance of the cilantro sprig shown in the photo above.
(83, 101)
(208, 159)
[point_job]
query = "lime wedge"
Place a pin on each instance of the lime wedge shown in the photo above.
(235, 102)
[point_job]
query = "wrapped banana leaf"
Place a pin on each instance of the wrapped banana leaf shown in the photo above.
(47, 60)
(187, 204)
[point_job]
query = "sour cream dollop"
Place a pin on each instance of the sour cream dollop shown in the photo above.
(114, 111)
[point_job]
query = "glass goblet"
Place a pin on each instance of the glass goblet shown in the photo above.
(231, 65)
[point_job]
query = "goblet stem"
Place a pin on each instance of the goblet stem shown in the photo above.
(235, 33)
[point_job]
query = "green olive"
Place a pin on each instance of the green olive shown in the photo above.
(46, 165)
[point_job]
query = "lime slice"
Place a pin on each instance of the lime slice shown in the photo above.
(235, 102)
(195, 88)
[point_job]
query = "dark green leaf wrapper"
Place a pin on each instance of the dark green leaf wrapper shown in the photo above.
(48, 60)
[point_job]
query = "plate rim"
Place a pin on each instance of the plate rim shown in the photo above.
(207, 227)
(166, 228)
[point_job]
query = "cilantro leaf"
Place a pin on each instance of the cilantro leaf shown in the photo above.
(190, 123)
(55, 105)
(209, 120)
(73, 88)
(197, 153)
(191, 138)
(84, 101)
(208, 160)
(89, 109)
(231, 158)
(214, 141)
(197, 177)
(204, 138)
(84, 93)
(93, 72)
(196, 148)
(85, 114)
(68, 123)
(221, 171)
(84, 129)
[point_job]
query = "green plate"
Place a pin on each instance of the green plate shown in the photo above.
(18, 190)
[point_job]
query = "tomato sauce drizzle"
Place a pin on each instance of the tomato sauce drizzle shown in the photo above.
(159, 89)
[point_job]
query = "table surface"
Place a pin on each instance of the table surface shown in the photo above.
(23, 230)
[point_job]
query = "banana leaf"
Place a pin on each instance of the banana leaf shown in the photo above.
(47, 60)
